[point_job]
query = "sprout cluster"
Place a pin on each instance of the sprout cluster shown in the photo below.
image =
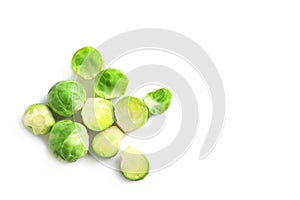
(69, 140)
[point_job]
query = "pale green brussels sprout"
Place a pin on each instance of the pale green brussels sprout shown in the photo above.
(131, 113)
(158, 101)
(106, 144)
(66, 97)
(110, 83)
(134, 164)
(97, 114)
(87, 62)
(68, 140)
(38, 119)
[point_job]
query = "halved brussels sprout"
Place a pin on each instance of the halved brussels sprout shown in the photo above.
(134, 164)
(131, 113)
(158, 101)
(66, 97)
(87, 62)
(110, 83)
(106, 144)
(97, 114)
(39, 119)
(69, 140)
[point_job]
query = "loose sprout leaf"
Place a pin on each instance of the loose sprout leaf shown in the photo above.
(97, 114)
(39, 119)
(66, 97)
(106, 144)
(134, 164)
(68, 140)
(110, 83)
(87, 62)
(158, 101)
(131, 113)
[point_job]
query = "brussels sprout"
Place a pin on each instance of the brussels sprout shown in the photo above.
(68, 140)
(39, 119)
(97, 114)
(110, 83)
(131, 113)
(106, 144)
(134, 164)
(66, 97)
(87, 62)
(158, 101)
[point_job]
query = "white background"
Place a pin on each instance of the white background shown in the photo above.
(255, 46)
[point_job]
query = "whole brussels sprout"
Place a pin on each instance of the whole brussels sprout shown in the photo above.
(66, 97)
(87, 62)
(131, 113)
(106, 144)
(97, 114)
(110, 83)
(158, 101)
(134, 164)
(68, 140)
(39, 119)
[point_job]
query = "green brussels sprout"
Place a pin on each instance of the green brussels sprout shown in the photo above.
(131, 113)
(38, 119)
(66, 97)
(68, 140)
(106, 144)
(134, 164)
(110, 83)
(158, 101)
(87, 62)
(97, 114)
